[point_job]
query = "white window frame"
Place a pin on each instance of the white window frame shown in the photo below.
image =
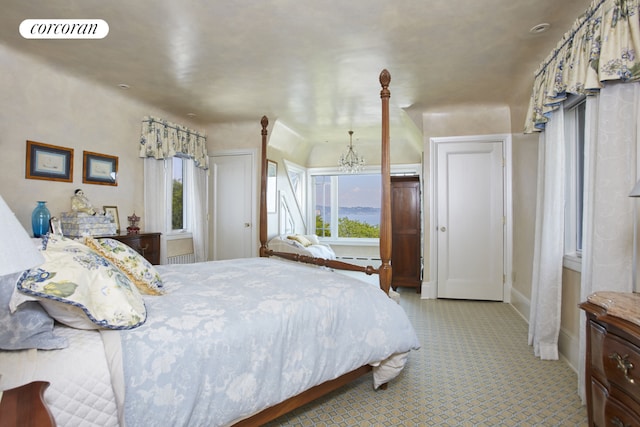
(574, 200)
(186, 202)
(399, 170)
(300, 193)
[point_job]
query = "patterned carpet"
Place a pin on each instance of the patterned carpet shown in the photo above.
(474, 369)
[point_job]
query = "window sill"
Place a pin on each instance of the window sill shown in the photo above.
(572, 262)
(352, 242)
(178, 236)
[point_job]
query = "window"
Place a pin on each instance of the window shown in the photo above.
(575, 119)
(347, 206)
(177, 195)
(298, 180)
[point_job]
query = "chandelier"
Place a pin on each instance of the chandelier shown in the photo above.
(350, 162)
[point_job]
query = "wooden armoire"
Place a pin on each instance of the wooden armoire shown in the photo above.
(406, 256)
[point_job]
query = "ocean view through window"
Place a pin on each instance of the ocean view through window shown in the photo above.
(347, 206)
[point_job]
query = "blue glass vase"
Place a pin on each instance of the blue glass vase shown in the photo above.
(40, 220)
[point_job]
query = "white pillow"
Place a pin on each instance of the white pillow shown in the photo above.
(313, 238)
(81, 289)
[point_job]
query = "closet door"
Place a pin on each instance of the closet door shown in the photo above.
(406, 233)
(233, 198)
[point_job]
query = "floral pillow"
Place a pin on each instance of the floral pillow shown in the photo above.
(81, 289)
(134, 265)
(29, 327)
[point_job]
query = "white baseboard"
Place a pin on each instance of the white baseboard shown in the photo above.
(428, 291)
(569, 349)
(568, 345)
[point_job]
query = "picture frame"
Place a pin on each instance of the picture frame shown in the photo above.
(113, 210)
(48, 162)
(101, 169)
(272, 186)
(55, 226)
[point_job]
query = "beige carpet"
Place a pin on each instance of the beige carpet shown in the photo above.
(474, 369)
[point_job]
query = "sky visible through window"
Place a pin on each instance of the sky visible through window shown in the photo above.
(358, 197)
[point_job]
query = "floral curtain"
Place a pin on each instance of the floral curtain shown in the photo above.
(602, 45)
(161, 139)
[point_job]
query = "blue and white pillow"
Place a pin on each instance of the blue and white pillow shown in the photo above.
(29, 326)
(81, 289)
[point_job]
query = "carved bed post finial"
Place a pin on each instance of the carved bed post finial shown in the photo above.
(385, 271)
(264, 122)
(385, 79)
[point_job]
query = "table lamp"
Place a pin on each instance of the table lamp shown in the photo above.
(17, 250)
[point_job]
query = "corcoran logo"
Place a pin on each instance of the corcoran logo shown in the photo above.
(64, 29)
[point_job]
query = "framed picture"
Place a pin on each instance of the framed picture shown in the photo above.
(49, 162)
(113, 211)
(99, 169)
(272, 176)
(55, 226)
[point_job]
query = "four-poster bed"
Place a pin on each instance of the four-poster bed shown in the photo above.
(384, 271)
(236, 342)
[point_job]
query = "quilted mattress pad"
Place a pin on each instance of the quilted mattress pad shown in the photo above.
(80, 393)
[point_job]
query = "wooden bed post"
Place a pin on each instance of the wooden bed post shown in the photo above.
(385, 270)
(263, 189)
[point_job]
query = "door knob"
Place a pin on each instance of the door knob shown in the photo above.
(443, 229)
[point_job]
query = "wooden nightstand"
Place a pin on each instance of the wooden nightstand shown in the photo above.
(147, 244)
(24, 406)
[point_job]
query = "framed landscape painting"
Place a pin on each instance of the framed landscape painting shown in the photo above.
(99, 169)
(49, 162)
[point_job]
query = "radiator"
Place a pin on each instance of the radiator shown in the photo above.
(182, 259)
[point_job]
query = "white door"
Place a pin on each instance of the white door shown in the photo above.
(233, 198)
(470, 220)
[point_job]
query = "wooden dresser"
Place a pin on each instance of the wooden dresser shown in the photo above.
(147, 244)
(613, 359)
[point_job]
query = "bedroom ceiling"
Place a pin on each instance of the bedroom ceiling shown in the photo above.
(313, 65)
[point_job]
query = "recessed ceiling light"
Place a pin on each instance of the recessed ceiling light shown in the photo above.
(540, 28)
(123, 86)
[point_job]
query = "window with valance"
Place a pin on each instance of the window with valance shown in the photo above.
(162, 139)
(602, 45)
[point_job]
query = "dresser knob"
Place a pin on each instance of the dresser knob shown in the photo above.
(624, 365)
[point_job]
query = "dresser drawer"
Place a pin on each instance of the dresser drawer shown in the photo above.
(599, 399)
(618, 415)
(621, 361)
(597, 333)
(612, 368)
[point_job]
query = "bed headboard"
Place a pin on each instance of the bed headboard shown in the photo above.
(384, 270)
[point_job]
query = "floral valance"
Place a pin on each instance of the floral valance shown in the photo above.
(602, 45)
(161, 139)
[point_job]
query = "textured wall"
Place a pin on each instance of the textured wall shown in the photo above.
(45, 104)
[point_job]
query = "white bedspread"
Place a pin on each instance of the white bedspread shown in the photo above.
(231, 338)
(80, 393)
